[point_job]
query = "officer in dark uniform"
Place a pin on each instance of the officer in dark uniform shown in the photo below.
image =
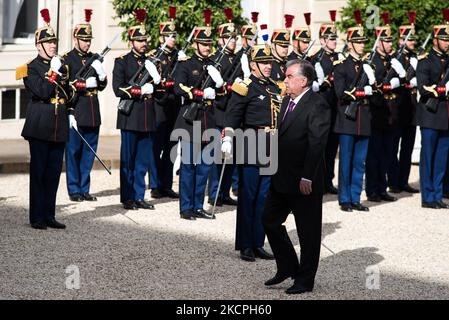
(432, 116)
(79, 159)
(399, 171)
(225, 31)
(46, 125)
(323, 61)
(254, 105)
(280, 42)
(353, 133)
(167, 109)
(136, 147)
(384, 110)
(189, 80)
(301, 40)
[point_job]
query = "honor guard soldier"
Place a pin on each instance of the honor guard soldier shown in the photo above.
(399, 171)
(79, 159)
(254, 106)
(301, 40)
(249, 31)
(323, 61)
(353, 132)
(280, 42)
(189, 81)
(46, 125)
(225, 31)
(167, 109)
(432, 115)
(138, 120)
(389, 74)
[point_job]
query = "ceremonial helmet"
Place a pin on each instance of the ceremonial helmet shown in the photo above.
(303, 33)
(45, 33)
(441, 31)
(203, 34)
(227, 30)
(282, 36)
(83, 31)
(328, 30)
(384, 32)
(138, 32)
(262, 52)
(168, 28)
(357, 34)
(406, 29)
(249, 30)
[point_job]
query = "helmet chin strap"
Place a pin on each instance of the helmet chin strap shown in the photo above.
(79, 47)
(260, 71)
(439, 47)
(45, 51)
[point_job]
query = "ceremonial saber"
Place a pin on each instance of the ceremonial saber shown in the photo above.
(91, 149)
(219, 185)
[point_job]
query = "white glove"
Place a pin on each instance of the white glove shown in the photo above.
(182, 55)
(341, 56)
(99, 69)
(209, 93)
(56, 64)
(397, 66)
(414, 62)
(319, 73)
(91, 82)
(226, 147)
(315, 86)
(72, 122)
(395, 83)
(413, 82)
(147, 88)
(368, 90)
(370, 73)
(447, 87)
(245, 66)
(215, 75)
(152, 70)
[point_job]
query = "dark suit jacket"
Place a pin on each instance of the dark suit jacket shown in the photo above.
(301, 145)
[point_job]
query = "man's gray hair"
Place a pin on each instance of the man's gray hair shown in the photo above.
(305, 69)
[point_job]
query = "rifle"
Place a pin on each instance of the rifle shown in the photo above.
(304, 55)
(359, 82)
(191, 112)
(410, 73)
(432, 103)
(186, 46)
(231, 74)
(125, 105)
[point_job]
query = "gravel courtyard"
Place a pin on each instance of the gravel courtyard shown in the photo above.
(395, 251)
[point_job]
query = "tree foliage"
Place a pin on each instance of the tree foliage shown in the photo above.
(428, 13)
(189, 14)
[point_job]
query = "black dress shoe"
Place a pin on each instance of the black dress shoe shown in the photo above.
(262, 254)
(430, 205)
(386, 197)
(188, 215)
(346, 207)
(219, 202)
(229, 201)
(359, 207)
(142, 204)
(247, 255)
(130, 205)
(442, 205)
(156, 194)
(170, 193)
(201, 213)
(297, 289)
(278, 278)
(395, 189)
(76, 197)
(89, 197)
(55, 224)
(331, 190)
(39, 225)
(409, 189)
(374, 197)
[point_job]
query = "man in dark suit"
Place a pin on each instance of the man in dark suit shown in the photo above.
(298, 185)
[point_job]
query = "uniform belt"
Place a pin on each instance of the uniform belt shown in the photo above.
(390, 96)
(57, 101)
(91, 93)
